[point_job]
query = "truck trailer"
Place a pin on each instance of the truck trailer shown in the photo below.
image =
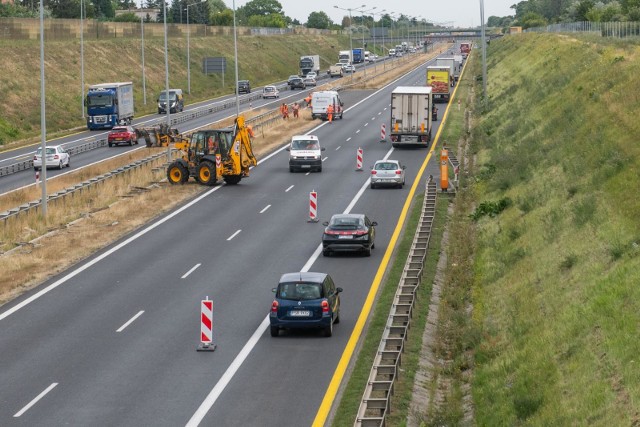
(447, 62)
(438, 80)
(345, 57)
(358, 55)
(109, 104)
(309, 63)
(411, 118)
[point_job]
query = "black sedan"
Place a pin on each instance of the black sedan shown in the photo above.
(349, 232)
(297, 83)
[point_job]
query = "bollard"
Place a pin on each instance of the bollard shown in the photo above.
(206, 326)
(359, 159)
(444, 169)
(383, 133)
(37, 178)
(313, 206)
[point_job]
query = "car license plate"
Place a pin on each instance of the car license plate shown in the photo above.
(300, 313)
(345, 236)
(119, 139)
(305, 166)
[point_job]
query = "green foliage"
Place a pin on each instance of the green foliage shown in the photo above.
(11, 10)
(127, 17)
(319, 20)
(492, 209)
(222, 18)
(274, 20)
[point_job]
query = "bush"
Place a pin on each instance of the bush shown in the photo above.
(490, 208)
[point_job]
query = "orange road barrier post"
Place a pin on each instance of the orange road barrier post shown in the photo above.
(206, 326)
(444, 169)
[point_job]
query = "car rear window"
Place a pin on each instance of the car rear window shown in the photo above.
(299, 291)
(386, 166)
(346, 223)
(114, 130)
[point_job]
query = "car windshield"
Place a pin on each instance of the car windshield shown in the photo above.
(346, 223)
(306, 144)
(386, 166)
(50, 150)
(299, 291)
(269, 89)
(99, 100)
(163, 96)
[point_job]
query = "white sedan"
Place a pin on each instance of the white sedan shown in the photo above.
(387, 172)
(57, 156)
(312, 75)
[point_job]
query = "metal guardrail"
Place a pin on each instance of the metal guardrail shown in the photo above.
(375, 404)
(4, 216)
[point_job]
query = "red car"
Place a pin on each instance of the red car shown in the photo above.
(122, 135)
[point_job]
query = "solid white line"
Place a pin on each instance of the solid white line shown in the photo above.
(287, 190)
(34, 401)
(190, 271)
(131, 320)
(325, 159)
(265, 209)
(373, 118)
(366, 123)
(228, 375)
(234, 235)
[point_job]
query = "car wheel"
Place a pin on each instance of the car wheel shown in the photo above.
(291, 169)
(326, 252)
(69, 162)
(36, 169)
(131, 143)
(373, 186)
(319, 169)
(328, 331)
(110, 145)
(367, 251)
(275, 331)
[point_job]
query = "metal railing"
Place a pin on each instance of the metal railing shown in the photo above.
(375, 404)
(605, 29)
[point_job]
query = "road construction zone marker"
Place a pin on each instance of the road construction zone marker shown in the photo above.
(37, 177)
(218, 161)
(359, 159)
(383, 133)
(313, 206)
(206, 326)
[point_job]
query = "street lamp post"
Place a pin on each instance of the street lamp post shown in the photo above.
(235, 55)
(350, 32)
(484, 54)
(82, 55)
(166, 76)
(188, 49)
(144, 80)
(43, 121)
(363, 29)
(384, 50)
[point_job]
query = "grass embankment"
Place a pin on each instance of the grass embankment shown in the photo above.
(111, 210)
(555, 284)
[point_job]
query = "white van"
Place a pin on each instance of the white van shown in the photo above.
(305, 153)
(392, 52)
(321, 100)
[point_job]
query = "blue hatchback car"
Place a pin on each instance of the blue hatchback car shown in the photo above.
(305, 300)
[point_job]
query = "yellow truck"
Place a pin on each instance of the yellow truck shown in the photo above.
(438, 78)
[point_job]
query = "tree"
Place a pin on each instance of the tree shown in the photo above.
(65, 9)
(103, 9)
(222, 18)
(127, 17)
(532, 19)
(262, 8)
(318, 20)
(274, 20)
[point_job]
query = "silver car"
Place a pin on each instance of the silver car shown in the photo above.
(387, 173)
(309, 81)
(57, 157)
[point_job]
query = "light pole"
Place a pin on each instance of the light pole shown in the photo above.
(363, 29)
(43, 121)
(375, 62)
(484, 54)
(384, 50)
(235, 54)
(82, 55)
(144, 82)
(188, 50)
(350, 38)
(166, 77)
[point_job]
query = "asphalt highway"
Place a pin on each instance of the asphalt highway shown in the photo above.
(112, 341)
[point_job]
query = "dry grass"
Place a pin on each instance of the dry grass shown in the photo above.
(96, 218)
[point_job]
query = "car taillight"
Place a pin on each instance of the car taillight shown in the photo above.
(325, 306)
(361, 233)
(331, 232)
(373, 172)
(398, 172)
(274, 306)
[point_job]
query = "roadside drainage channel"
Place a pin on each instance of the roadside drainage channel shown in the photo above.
(375, 404)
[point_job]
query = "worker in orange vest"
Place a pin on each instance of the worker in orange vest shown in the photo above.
(330, 113)
(284, 109)
(308, 100)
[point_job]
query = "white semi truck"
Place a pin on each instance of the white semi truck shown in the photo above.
(309, 63)
(411, 120)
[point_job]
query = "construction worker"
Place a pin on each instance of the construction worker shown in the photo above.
(308, 100)
(330, 113)
(434, 113)
(296, 108)
(284, 110)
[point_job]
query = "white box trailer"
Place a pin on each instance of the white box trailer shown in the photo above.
(411, 116)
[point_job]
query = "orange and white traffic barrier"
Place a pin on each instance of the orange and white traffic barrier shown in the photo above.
(206, 326)
(37, 178)
(359, 156)
(313, 206)
(383, 133)
(444, 169)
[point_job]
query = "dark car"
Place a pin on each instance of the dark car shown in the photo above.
(349, 232)
(291, 77)
(297, 83)
(244, 86)
(122, 135)
(305, 300)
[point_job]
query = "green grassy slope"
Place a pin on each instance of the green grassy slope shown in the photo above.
(263, 59)
(556, 292)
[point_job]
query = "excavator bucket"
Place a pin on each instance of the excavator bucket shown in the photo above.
(159, 136)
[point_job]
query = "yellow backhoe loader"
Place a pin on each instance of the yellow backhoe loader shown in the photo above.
(214, 154)
(160, 136)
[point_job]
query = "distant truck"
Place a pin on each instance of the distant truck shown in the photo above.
(309, 63)
(358, 55)
(411, 119)
(465, 49)
(458, 66)
(447, 62)
(109, 105)
(345, 57)
(438, 80)
(368, 56)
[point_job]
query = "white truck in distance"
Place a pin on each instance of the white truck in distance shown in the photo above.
(309, 63)
(411, 118)
(345, 57)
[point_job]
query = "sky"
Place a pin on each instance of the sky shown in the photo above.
(461, 13)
